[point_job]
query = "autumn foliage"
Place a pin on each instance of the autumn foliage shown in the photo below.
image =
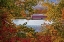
(14, 8)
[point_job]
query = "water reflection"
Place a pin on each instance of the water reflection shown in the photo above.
(36, 24)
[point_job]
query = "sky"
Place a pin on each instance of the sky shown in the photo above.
(53, 0)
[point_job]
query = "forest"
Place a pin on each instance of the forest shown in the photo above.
(15, 9)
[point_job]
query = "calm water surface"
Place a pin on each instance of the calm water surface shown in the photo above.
(36, 24)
